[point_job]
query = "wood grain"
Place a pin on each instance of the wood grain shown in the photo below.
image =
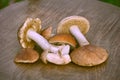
(104, 31)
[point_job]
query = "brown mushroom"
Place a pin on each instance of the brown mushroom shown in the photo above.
(47, 32)
(78, 26)
(63, 39)
(89, 55)
(27, 55)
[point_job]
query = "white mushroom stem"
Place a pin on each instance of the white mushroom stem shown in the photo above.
(41, 41)
(61, 57)
(75, 31)
(56, 59)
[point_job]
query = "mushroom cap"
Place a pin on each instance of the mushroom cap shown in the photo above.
(47, 32)
(89, 55)
(63, 39)
(33, 24)
(27, 55)
(66, 23)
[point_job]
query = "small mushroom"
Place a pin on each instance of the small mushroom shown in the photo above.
(27, 55)
(47, 32)
(28, 34)
(63, 39)
(60, 58)
(29, 25)
(86, 55)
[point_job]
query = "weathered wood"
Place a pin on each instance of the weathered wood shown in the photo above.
(104, 31)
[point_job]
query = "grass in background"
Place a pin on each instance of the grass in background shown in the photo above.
(4, 3)
(114, 2)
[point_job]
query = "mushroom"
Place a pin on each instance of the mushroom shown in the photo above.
(89, 55)
(47, 32)
(63, 39)
(30, 24)
(61, 58)
(27, 55)
(86, 55)
(29, 33)
(66, 23)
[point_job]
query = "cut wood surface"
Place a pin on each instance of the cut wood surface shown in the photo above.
(104, 31)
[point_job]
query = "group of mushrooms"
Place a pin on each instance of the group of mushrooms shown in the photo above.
(68, 44)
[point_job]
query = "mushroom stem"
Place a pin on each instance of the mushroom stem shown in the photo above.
(61, 58)
(41, 41)
(75, 31)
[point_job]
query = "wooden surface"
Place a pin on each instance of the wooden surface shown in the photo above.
(104, 31)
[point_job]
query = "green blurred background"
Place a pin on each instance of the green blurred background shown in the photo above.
(4, 3)
(114, 2)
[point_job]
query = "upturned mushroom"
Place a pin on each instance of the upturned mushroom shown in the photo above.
(31, 25)
(67, 25)
(27, 55)
(86, 55)
(29, 33)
